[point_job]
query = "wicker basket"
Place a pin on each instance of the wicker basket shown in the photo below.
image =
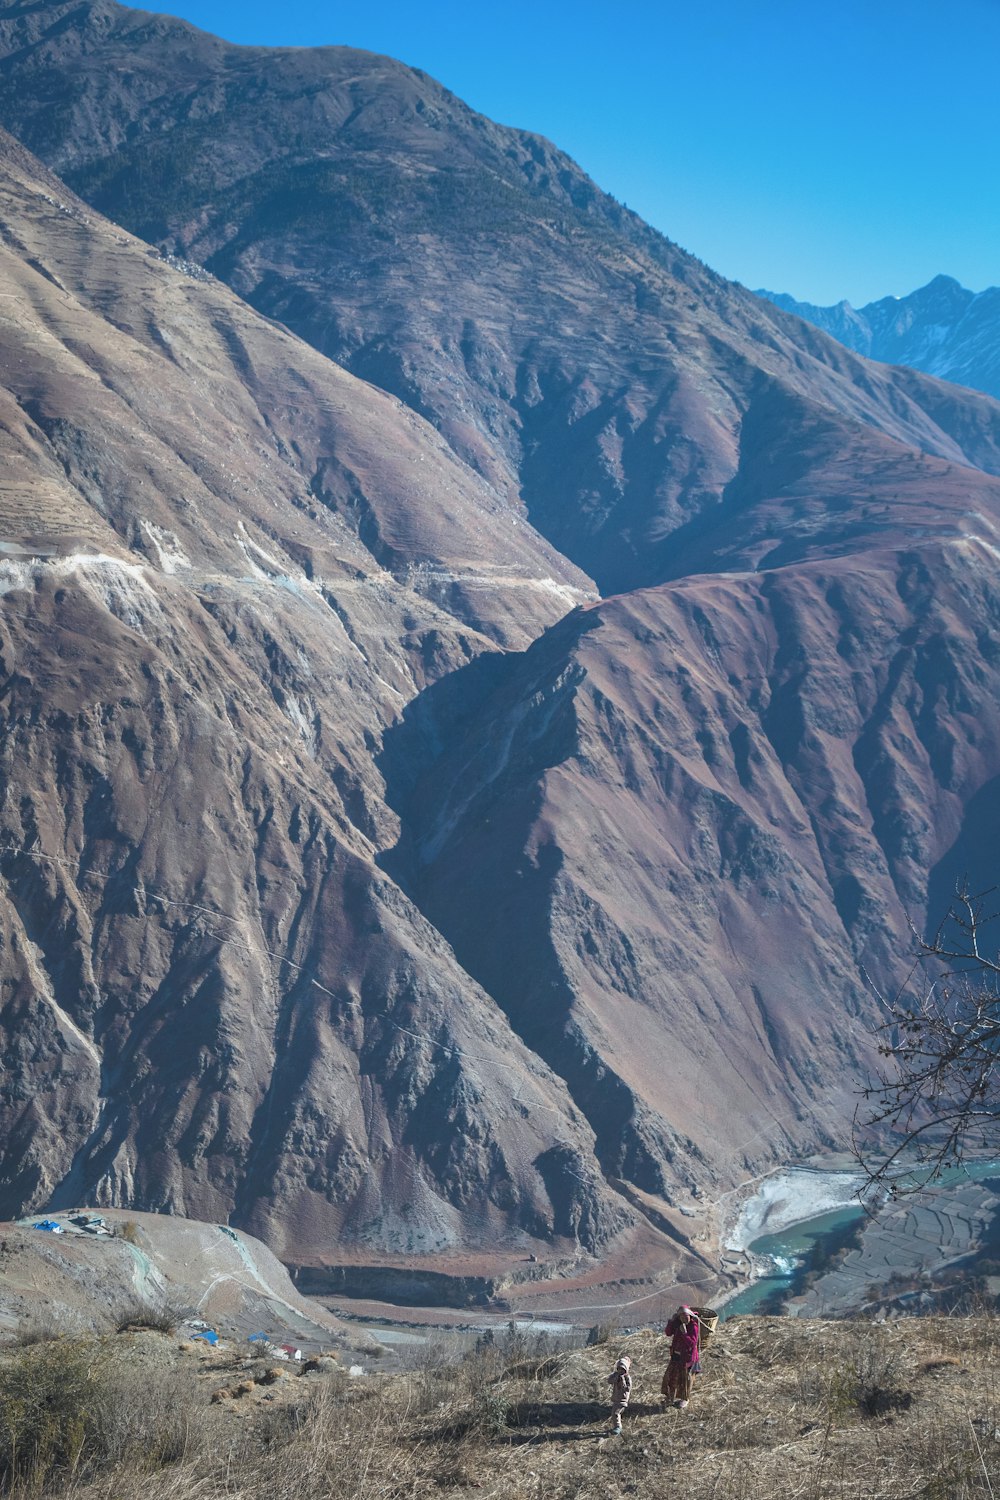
(708, 1320)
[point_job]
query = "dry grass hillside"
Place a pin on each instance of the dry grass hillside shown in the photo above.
(788, 1409)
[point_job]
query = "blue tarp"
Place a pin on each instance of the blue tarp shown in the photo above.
(208, 1334)
(258, 1338)
(50, 1225)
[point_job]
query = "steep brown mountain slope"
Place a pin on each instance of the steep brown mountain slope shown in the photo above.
(704, 812)
(221, 578)
(599, 377)
(639, 864)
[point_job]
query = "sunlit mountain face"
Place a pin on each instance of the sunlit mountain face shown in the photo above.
(483, 696)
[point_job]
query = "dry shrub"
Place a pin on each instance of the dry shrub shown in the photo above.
(878, 1372)
(41, 1329)
(491, 1413)
(143, 1411)
(47, 1397)
(83, 1406)
(139, 1315)
(436, 1381)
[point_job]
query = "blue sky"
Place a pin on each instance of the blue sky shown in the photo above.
(824, 149)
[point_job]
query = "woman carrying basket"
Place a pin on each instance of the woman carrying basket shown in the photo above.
(683, 1333)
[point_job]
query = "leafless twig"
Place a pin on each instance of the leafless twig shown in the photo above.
(938, 1089)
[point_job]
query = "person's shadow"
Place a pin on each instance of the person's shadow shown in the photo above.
(559, 1413)
(548, 1421)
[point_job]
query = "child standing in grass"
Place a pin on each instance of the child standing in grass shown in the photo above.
(620, 1382)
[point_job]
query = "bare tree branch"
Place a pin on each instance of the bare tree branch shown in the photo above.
(938, 1092)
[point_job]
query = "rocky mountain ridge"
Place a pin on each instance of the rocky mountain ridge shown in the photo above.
(942, 328)
(597, 376)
